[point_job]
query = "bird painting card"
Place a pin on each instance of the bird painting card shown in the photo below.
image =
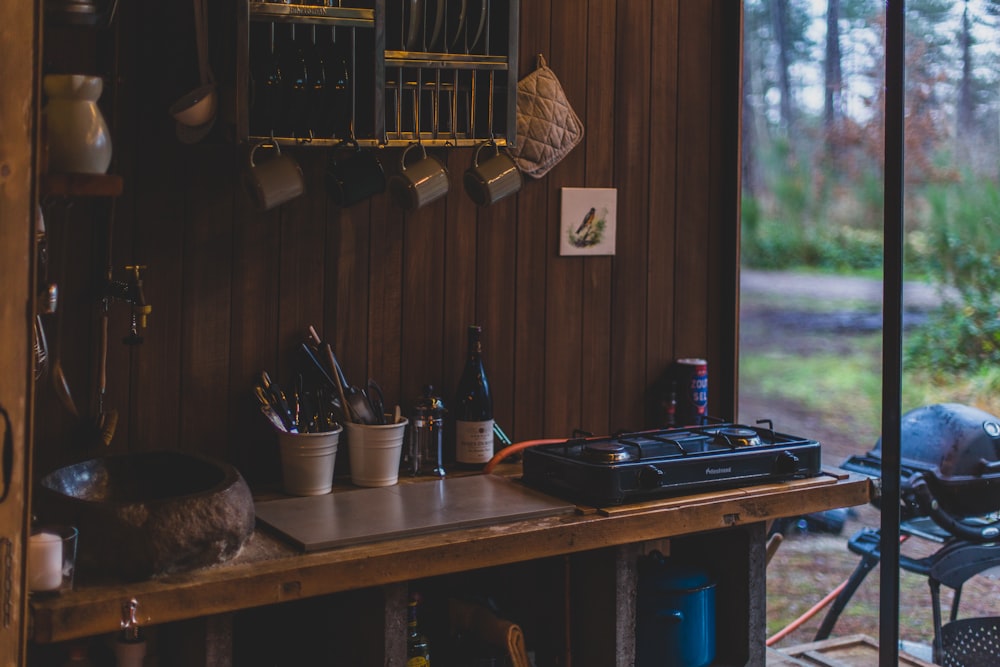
(588, 221)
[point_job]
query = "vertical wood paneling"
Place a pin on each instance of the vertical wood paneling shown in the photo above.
(160, 181)
(253, 335)
(564, 277)
(422, 307)
(207, 292)
(595, 367)
(572, 342)
(532, 225)
(497, 231)
(300, 260)
(348, 330)
(663, 218)
(125, 115)
(633, 143)
(694, 137)
(460, 275)
(388, 235)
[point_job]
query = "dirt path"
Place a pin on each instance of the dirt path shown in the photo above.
(821, 287)
(804, 314)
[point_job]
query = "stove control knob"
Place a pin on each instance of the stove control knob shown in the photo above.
(650, 477)
(786, 463)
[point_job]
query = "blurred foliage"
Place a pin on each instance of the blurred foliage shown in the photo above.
(963, 238)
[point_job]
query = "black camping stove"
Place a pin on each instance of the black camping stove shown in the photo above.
(638, 466)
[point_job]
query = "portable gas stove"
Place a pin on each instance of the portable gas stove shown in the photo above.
(655, 464)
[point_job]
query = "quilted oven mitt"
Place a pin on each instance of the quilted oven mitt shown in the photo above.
(547, 126)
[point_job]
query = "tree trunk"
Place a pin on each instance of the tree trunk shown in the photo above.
(834, 85)
(749, 175)
(964, 125)
(779, 19)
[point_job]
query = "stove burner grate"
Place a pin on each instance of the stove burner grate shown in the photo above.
(606, 452)
(738, 436)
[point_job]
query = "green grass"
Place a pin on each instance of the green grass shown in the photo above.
(828, 383)
(833, 384)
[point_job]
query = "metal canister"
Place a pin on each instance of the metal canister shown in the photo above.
(425, 449)
(691, 378)
(675, 623)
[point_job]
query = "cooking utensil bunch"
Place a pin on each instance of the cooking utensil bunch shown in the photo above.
(321, 398)
(362, 405)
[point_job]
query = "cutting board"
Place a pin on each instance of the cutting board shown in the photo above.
(314, 523)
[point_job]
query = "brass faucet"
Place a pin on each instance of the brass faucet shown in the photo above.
(131, 292)
(139, 305)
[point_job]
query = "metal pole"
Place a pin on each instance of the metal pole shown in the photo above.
(892, 333)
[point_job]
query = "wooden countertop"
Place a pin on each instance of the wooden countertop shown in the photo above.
(268, 570)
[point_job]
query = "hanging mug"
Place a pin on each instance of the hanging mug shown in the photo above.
(421, 182)
(274, 181)
(353, 174)
(491, 180)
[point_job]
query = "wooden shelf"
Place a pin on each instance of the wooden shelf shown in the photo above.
(82, 185)
(269, 570)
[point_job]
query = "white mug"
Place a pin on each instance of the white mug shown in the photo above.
(274, 181)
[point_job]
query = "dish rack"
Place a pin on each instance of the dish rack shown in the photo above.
(378, 72)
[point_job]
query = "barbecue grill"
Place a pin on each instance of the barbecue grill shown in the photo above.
(950, 494)
(949, 467)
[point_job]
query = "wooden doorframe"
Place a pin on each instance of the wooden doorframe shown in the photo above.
(19, 117)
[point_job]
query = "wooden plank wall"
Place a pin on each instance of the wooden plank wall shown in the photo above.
(570, 342)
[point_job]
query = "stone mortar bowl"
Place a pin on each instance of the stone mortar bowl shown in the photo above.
(149, 513)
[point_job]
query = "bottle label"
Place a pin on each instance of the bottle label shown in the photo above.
(418, 661)
(474, 442)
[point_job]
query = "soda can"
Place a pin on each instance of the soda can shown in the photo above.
(691, 379)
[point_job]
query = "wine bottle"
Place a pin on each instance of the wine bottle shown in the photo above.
(418, 649)
(473, 409)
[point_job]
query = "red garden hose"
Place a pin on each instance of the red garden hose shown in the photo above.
(516, 447)
(815, 609)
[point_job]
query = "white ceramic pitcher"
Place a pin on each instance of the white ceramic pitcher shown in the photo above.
(76, 134)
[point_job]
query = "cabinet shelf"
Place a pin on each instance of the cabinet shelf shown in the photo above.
(276, 12)
(82, 185)
(445, 60)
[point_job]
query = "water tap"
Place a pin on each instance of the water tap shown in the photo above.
(130, 291)
(138, 298)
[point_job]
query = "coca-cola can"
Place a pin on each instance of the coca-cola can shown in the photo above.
(691, 379)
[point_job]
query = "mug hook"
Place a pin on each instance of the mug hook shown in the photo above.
(488, 142)
(264, 144)
(402, 159)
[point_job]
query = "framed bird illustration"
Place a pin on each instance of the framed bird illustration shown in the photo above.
(588, 221)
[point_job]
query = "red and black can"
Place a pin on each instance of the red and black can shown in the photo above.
(691, 378)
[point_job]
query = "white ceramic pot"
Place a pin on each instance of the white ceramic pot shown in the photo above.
(77, 136)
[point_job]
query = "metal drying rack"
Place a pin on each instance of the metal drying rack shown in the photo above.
(438, 72)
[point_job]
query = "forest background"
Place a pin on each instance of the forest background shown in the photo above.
(810, 345)
(813, 138)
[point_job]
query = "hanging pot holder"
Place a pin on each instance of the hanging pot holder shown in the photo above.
(547, 126)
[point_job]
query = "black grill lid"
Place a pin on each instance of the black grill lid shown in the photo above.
(949, 440)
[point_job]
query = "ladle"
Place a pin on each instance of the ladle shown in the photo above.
(359, 407)
(195, 111)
